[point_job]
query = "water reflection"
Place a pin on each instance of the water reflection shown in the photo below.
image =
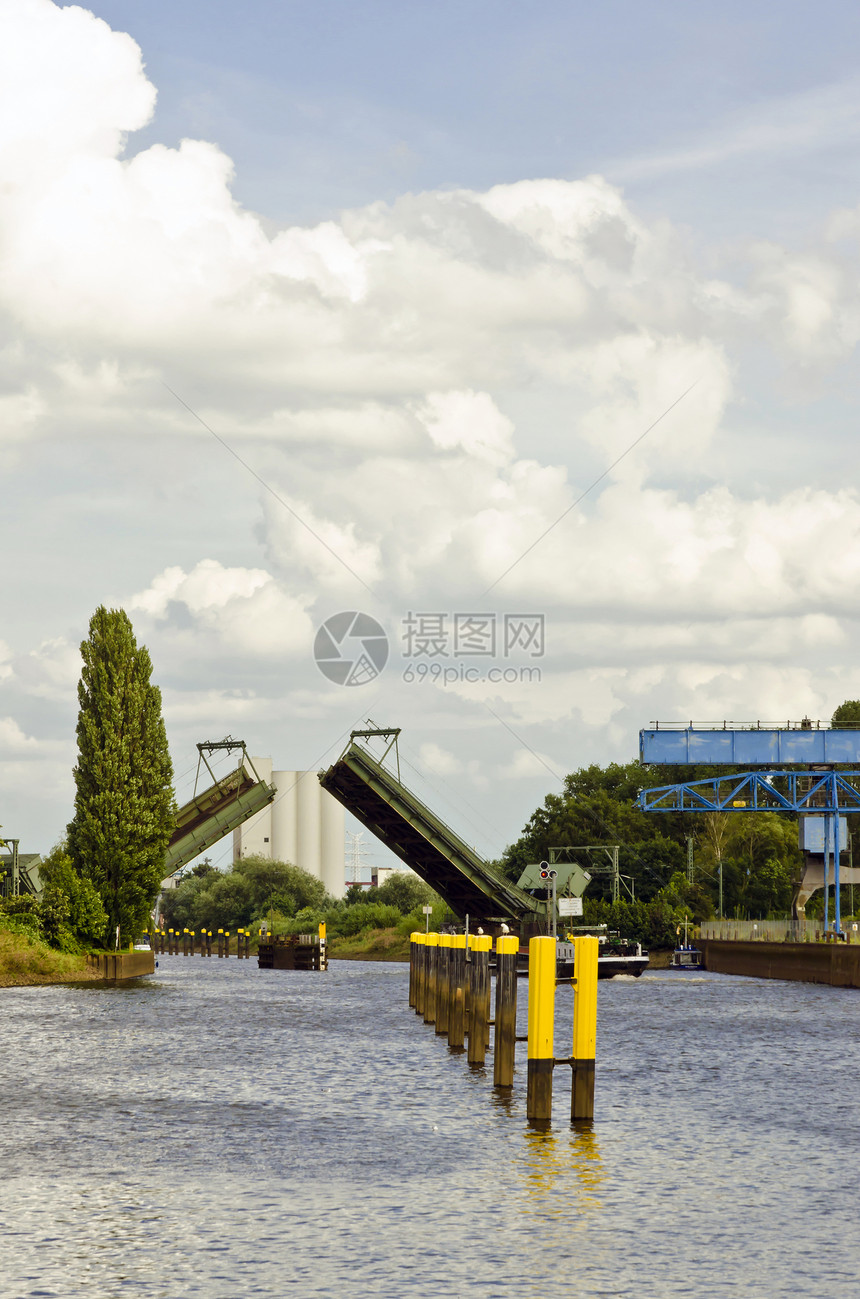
(559, 1165)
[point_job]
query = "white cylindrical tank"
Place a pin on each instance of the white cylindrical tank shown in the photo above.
(284, 815)
(304, 826)
(308, 828)
(332, 844)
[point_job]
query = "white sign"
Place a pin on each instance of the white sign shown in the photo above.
(570, 906)
(428, 911)
(812, 829)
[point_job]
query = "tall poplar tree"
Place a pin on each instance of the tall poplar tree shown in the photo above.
(124, 806)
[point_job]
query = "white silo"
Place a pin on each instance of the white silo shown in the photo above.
(284, 815)
(304, 825)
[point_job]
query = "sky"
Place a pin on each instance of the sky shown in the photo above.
(528, 332)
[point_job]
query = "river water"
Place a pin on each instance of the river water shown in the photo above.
(226, 1131)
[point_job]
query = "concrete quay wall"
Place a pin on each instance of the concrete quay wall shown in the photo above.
(117, 966)
(835, 963)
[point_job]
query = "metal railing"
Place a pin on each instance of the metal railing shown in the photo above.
(722, 724)
(771, 931)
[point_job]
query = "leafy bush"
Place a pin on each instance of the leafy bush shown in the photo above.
(305, 921)
(361, 916)
(72, 911)
(23, 915)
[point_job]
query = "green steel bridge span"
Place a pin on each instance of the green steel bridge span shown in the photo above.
(19, 871)
(376, 796)
(207, 817)
(219, 808)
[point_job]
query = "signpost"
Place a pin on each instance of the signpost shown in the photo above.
(570, 906)
(428, 911)
(548, 875)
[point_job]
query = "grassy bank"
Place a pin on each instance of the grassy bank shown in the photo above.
(371, 945)
(25, 961)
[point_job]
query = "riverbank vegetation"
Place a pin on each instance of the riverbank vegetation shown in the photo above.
(26, 959)
(257, 891)
(68, 916)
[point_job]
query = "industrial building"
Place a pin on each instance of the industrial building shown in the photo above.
(303, 825)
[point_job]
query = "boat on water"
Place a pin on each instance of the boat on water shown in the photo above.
(685, 955)
(686, 958)
(616, 955)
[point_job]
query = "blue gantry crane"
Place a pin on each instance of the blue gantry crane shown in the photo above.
(796, 772)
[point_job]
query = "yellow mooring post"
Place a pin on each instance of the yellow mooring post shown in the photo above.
(585, 949)
(443, 983)
(479, 1002)
(457, 1000)
(469, 957)
(542, 966)
(416, 969)
(505, 1039)
(431, 949)
(420, 971)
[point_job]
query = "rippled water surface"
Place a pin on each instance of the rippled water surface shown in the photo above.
(226, 1131)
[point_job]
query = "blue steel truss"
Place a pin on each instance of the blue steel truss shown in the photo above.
(826, 793)
(759, 791)
(750, 746)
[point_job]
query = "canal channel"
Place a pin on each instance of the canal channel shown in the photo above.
(224, 1131)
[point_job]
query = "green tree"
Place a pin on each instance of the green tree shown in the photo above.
(598, 806)
(225, 903)
(124, 806)
(252, 887)
(65, 891)
(847, 714)
(762, 860)
(279, 884)
(179, 904)
(406, 892)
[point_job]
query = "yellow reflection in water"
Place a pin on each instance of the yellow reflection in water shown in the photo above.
(563, 1171)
